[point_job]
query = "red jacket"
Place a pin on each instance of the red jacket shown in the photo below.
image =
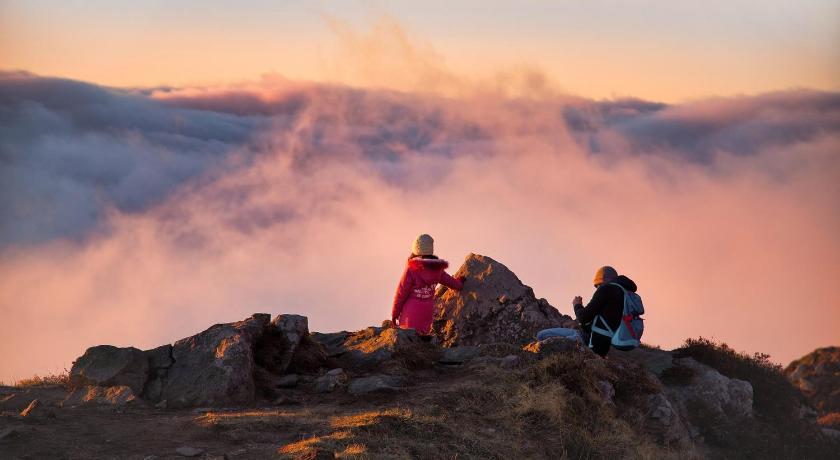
(414, 302)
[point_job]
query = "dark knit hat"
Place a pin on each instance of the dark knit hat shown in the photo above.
(605, 274)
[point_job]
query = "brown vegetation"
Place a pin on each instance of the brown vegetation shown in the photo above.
(61, 379)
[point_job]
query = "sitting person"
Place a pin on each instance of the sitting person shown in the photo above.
(414, 302)
(607, 301)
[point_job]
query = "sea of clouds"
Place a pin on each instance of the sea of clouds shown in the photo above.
(140, 216)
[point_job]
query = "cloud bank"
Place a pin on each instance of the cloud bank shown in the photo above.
(136, 217)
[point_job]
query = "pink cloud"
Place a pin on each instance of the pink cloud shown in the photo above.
(741, 247)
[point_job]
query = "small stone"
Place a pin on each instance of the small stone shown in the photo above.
(328, 382)
(458, 355)
(30, 408)
(236, 453)
(161, 405)
(187, 451)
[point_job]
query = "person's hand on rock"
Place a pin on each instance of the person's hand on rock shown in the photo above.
(462, 279)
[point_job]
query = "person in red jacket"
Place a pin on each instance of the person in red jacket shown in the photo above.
(414, 302)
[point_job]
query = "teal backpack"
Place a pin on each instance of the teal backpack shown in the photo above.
(628, 335)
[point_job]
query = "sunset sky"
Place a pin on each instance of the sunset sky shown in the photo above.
(165, 166)
(654, 49)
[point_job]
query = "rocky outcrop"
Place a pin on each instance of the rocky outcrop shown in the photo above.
(377, 348)
(817, 375)
(721, 396)
(494, 306)
(692, 396)
(215, 367)
(106, 366)
(226, 365)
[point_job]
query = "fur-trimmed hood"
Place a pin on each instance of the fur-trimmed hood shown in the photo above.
(418, 263)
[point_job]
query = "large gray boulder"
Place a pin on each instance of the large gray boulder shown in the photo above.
(494, 306)
(692, 396)
(107, 365)
(215, 367)
(721, 397)
(375, 383)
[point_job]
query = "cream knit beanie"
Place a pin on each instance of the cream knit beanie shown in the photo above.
(424, 245)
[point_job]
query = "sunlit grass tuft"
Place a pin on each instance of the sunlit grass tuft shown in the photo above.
(61, 379)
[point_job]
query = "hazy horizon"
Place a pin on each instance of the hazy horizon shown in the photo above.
(136, 212)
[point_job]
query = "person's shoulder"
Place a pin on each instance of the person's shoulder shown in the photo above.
(610, 289)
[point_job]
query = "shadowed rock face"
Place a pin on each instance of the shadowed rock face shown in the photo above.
(215, 367)
(817, 375)
(494, 306)
(107, 365)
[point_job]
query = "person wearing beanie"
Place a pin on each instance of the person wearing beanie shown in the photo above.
(607, 301)
(414, 301)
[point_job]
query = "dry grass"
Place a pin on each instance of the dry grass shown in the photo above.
(62, 379)
(550, 409)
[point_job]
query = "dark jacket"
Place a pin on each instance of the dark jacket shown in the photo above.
(608, 301)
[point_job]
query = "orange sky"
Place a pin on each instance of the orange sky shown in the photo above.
(659, 50)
